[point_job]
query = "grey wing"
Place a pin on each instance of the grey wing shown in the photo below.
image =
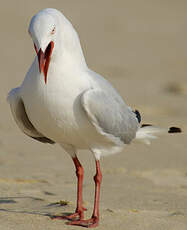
(110, 115)
(21, 118)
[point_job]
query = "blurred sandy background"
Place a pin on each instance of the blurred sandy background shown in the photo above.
(141, 47)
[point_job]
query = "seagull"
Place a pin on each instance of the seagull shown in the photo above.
(62, 101)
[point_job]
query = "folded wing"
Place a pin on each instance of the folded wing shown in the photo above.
(21, 118)
(110, 115)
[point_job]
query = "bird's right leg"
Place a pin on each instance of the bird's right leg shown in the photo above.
(79, 212)
(80, 173)
(94, 220)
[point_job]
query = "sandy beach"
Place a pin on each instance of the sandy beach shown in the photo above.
(141, 48)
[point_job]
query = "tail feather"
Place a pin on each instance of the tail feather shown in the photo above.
(147, 132)
(174, 130)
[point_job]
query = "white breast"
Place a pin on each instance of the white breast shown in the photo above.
(54, 108)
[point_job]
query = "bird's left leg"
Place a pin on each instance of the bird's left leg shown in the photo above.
(79, 212)
(94, 220)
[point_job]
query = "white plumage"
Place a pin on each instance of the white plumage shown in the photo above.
(76, 106)
(61, 100)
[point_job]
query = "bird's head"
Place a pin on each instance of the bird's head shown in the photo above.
(54, 36)
(43, 31)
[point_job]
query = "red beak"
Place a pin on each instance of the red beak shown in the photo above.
(44, 59)
(41, 60)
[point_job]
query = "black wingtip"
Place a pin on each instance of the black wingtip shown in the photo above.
(138, 116)
(174, 130)
(44, 140)
(145, 125)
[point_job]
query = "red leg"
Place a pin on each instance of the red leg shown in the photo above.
(79, 212)
(80, 173)
(94, 220)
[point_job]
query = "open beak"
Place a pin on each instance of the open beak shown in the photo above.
(44, 59)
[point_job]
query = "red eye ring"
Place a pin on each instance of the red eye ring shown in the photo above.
(53, 30)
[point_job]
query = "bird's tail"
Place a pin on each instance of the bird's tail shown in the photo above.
(148, 132)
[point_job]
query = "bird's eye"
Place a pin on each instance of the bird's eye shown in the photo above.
(53, 30)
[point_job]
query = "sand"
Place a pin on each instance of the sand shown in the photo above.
(140, 46)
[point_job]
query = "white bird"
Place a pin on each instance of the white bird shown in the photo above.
(62, 101)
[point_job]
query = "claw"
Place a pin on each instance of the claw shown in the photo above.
(74, 216)
(78, 215)
(90, 223)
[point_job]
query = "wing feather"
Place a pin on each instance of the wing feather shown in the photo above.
(21, 118)
(111, 116)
